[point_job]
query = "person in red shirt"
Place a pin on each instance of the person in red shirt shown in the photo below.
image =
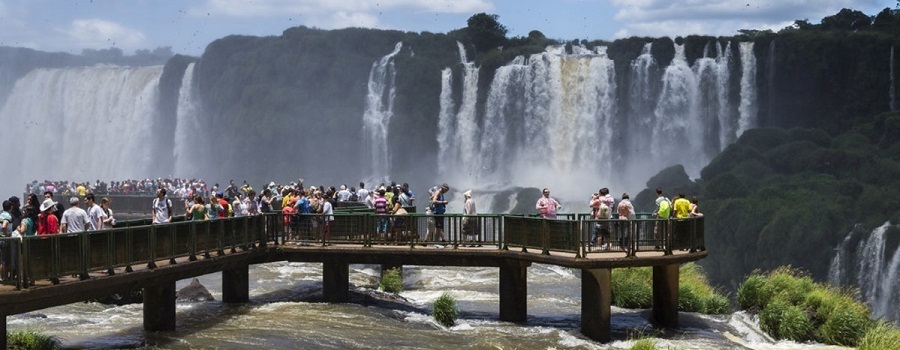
(224, 203)
(48, 223)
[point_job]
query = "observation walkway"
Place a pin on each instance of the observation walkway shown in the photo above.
(61, 269)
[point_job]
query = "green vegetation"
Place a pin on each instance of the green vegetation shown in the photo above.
(30, 340)
(882, 335)
(644, 344)
(632, 288)
(391, 281)
(445, 311)
(792, 306)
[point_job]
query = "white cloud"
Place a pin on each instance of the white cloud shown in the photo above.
(98, 34)
(720, 17)
(334, 8)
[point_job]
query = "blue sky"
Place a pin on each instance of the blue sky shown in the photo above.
(189, 25)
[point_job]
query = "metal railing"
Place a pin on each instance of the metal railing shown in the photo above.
(51, 257)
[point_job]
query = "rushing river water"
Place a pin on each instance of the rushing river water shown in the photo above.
(286, 311)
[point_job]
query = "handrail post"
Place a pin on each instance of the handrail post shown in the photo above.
(579, 239)
(110, 255)
(24, 269)
(129, 249)
(173, 250)
(85, 238)
(152, 239)
(545, 236)
(206, 254)
(54, 258)
(693, 226)
(193, 243)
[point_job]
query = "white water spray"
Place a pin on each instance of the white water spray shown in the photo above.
(748, 109)
(190, 132)
(82, 124)
(378, 113)
(873, 268)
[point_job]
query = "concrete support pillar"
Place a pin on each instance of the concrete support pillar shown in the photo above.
(514, 291)
(596, 298)
(236, 285)
(3, 338)
(159, 307)
(665, 295)
(336, 281)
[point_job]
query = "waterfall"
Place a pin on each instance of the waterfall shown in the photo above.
(378, 113)
(748, 88)
(467, 131)
(190, 132)
(446, 119)
(726, 125)
(770, 72)
(676, 116)
(501, 111)
(82, 124)
(892, 98)
(873, 266)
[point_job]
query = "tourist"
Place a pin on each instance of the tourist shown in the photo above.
(625, 208)
(74, 219)
(48, 223)
(29, 225)
(231, 191)
(406, 195)
(250, 203)
(381, 210)
(695, 207)
(108, 219)
(344, 194)
(363, 195)
(288, 217)
(162, 207)
(682, 207)
(237, 206)
(470, 222)
(663, 211)
(400, 214)
(225, 210)
(265, 201)
(6, 230)
(607, 199)
(197, 211)
(547, 206)
(95, 213)
(214, 209)
(328, 219)
(440, 207)
(303, 209)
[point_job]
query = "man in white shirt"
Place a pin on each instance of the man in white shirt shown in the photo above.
(162, 207)
(74, 219)
(95, 213)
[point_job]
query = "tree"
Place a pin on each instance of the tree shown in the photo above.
(847, 19)
(485, 32)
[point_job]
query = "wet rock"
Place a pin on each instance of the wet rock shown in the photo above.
(194, 292)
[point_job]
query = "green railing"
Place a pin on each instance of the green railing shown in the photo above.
(52, 257)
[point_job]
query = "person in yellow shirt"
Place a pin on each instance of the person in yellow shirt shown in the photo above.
(81, 190)
(287, 196)
(682, 206)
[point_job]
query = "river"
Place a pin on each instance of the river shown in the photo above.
(286, 311)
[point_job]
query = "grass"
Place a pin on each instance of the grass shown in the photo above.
(31, 340)
(644, 344)
(445, 311)
(882, 335)
(633, 288)
(792, 306)
(391, 281)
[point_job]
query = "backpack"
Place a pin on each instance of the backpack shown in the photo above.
(354, 197)
(603, 211)
(665, 208)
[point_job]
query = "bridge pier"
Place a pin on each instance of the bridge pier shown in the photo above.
(336, 281)
(596, 297)
(236, 285)
(665, 295)
(514, 291)
(159, 307)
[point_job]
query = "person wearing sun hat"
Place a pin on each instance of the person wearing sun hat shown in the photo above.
(48, 223)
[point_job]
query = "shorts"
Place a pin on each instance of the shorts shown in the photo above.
(439, 221)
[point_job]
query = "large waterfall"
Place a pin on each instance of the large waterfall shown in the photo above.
(379, 110)
(81, 124)
(558, 112)
(191, 136)
(871, 262)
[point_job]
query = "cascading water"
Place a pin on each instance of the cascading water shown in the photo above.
(379, 110)
(748, 89)
(82, 124)
(446, 122)
(501, 103)
(466, 135)
(676, 116)
(190, 131)
(642, 98)
(873, 266)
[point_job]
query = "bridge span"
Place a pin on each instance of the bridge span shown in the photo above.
(67, 268)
